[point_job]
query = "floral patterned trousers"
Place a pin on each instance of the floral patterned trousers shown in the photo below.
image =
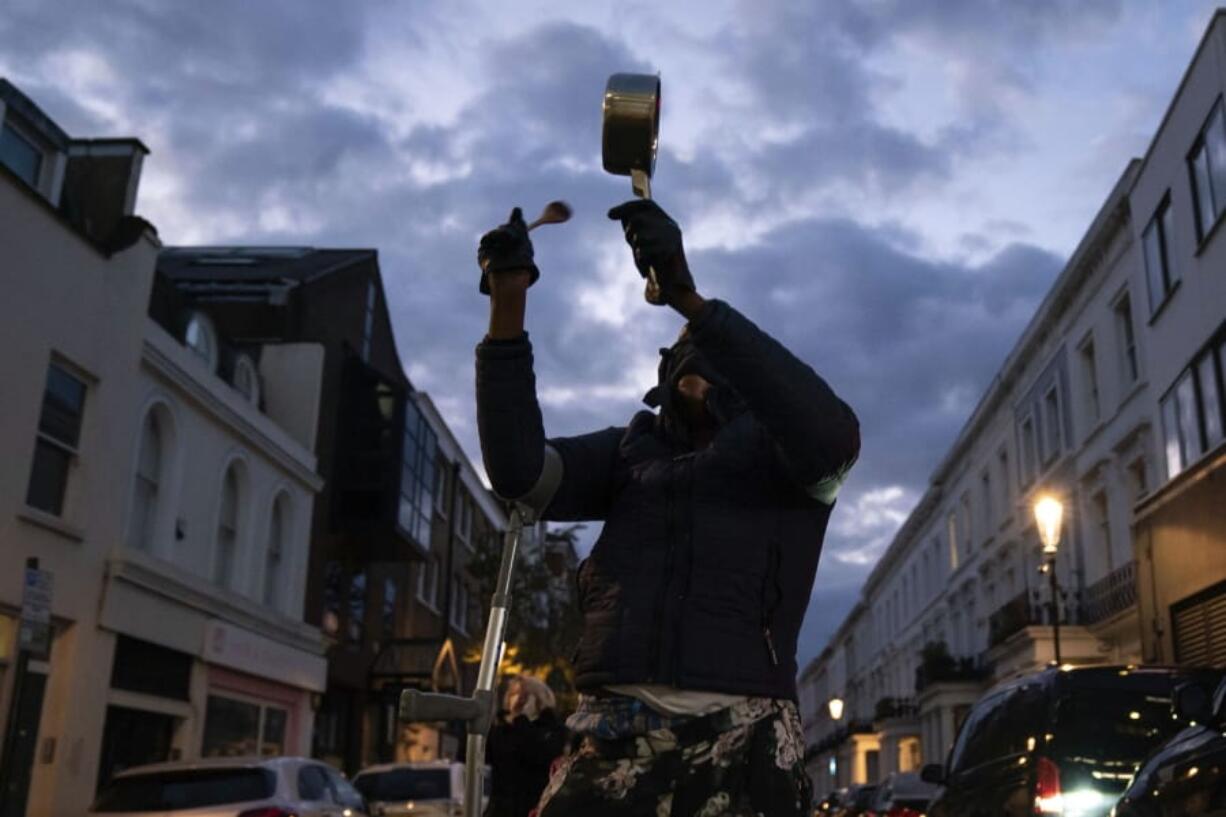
(625, 759)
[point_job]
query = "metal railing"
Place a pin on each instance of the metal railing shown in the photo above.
(1111, 595)
(895, 708)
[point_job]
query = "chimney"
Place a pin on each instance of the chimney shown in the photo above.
(100, 184)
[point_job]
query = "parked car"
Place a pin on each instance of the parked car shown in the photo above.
(1059, 742)
(424, 789)
(232, 787)
(1187, 775)
(858, 801)
(831, 803)
(903, 794)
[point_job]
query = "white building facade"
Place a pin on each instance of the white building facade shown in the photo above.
(162, 479)
(1111, 400)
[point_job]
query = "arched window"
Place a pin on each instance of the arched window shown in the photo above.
(227, 529)
(246, 379)
(145, 489)
(274, 555)
(201, 339)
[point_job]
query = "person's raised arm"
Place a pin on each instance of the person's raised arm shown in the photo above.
(817, 435)
(565, 478)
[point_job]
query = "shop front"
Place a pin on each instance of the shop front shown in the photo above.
(258, 696)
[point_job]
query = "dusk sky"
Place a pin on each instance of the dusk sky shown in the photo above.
(888, 187)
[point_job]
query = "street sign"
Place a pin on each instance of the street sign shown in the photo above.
(35, 632)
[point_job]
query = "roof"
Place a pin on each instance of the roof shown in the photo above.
(250, 762)
(33, 115)
(419, 764)
(252, 264)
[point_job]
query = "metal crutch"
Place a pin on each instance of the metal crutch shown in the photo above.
(477, 710)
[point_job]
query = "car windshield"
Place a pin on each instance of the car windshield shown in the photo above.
(1109, 732)
(184, 789)
(405, 784)
(864, 797)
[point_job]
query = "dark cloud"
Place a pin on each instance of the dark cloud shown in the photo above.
(232, 96)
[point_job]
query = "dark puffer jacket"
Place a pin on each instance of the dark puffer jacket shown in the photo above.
(702, 573)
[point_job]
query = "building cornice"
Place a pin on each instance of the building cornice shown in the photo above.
(176, 585)
(260, 433)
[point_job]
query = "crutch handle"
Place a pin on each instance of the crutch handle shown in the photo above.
(424, 707)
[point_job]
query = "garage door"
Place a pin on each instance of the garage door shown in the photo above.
(1199, 623)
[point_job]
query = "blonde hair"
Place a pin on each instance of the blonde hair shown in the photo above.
(537, 693)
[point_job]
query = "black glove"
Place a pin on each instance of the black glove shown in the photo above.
(506, 247)
(656, 241)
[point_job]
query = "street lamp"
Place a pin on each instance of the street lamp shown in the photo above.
(1048, 515)
(836, 708)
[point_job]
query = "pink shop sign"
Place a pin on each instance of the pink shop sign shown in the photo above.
(243, 650)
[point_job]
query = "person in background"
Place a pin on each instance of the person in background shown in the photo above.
(522, 747)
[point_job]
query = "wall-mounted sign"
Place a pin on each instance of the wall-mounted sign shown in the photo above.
(34, 635)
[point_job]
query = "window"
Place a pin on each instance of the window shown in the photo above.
(55, 447)
(1101, 520)
(355, 628)
(334, 587)
(274, 555)
(21, 155)
(1137, 478)
(464, 517)
(427, 584)
(236, 728)
(391, 594)
(1129, 365)
(1160, 274)
(1207, 165)
(985, 501)
(368, 323)
(1029, 452)
(1091, 407)
(227, 529)
(1192, 414)
(1006, 494)
(246, 379)
(1051, 425)
(417, 476)
(145, 489)
(313, 784)
(201, 339)
(966, 534)
(1210, 401)
(459, 605)
(952, 527)
(440, 487)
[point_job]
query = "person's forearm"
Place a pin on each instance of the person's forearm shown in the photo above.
(508, 415)
(507, 308)
(817, 431)
(689, 303)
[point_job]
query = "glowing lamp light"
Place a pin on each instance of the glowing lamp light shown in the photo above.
(836, 708)
(1048, 514)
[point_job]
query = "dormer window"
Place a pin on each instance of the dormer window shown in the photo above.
(21, 154)
(201, 339)
(246, 379)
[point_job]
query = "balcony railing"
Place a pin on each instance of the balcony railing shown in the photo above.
(1111, 595)
(1013, 615)
(895, 708)
(949, 670)
(1026, 610)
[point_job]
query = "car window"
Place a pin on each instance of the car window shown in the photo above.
(313, 784)
(974, 744)
(1112, 725)
(346, 794)
(405, 784)
(185, 789)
